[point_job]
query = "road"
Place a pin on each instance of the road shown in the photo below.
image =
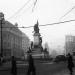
(41, 69)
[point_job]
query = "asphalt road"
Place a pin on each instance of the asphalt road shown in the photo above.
(41, 69)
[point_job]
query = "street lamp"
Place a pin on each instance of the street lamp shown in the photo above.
(1, 21)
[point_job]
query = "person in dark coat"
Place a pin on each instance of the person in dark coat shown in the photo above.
(0, 61)
(14, 67)
(70, 63)
(31, 67)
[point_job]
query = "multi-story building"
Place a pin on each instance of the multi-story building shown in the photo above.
(25, 43)
(70, 44)
(12, 40)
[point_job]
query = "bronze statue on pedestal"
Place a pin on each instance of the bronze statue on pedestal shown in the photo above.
(36, 28)
(36, 33)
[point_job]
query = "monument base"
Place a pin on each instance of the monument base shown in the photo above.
(37, 53)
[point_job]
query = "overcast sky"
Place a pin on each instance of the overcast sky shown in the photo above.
(46, 12)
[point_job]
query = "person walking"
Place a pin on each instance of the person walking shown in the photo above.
(31, 67)
(70, 63)
(14, 67)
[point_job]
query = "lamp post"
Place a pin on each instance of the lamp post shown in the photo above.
(1, 22)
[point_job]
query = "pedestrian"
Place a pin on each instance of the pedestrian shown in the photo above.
(31, 67)
(14, 67)
(70, 63)
(0, 61)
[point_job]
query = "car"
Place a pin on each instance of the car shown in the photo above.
(60, 58)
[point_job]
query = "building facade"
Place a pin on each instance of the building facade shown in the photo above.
(11, 39)
(70, 44)
(25, 43)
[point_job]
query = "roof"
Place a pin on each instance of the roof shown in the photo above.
(7, 25)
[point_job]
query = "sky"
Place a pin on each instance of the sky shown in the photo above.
(46, 12)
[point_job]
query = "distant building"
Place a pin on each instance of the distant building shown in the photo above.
(47, 46)
(70, 44)
(46, 53)
(25, 43)
(12, 40)
(54, 53)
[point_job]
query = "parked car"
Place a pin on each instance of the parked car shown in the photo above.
(60, 58)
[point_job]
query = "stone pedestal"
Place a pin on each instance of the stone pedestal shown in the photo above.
(37, 47)
(36, 39)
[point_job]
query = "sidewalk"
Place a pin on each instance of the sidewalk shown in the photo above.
(5, 66)
(65, 72)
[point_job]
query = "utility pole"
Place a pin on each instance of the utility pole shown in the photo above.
(1, 22)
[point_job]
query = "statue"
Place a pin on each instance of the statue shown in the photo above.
(36, 45)
(40, 40)
(36, 28)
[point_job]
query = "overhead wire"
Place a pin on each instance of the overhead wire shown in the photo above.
(31, 6)
(33, 9)
(19, 10)
(68, 12)
(58, 23)
(44, 24)
(34, 5)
